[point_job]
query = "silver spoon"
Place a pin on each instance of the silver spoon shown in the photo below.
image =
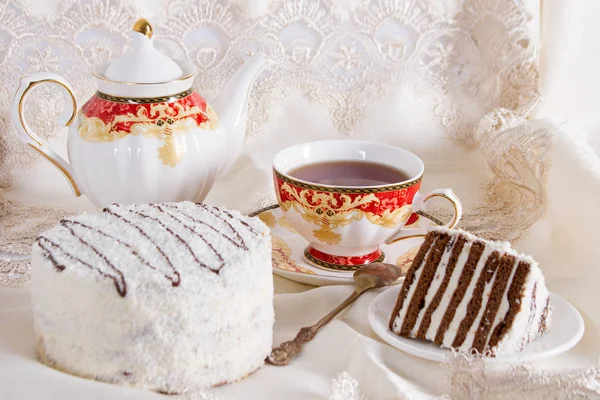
(369, 277)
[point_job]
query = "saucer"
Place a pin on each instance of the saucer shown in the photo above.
(566, 331)
(288, 252)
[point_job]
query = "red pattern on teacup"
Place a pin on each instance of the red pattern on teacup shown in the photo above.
(328, 204)
(332, 261)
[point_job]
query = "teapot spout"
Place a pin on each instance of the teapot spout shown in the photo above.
(232, 107)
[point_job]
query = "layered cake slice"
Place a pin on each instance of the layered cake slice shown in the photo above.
(170, 297)
(472, 295)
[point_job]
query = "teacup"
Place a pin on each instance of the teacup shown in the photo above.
(346, 225)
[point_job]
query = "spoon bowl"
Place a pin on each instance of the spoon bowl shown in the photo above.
(376, 275)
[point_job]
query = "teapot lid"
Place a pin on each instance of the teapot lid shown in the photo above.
(142, 63)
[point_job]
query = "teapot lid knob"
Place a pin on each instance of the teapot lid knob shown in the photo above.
(144, 27)
(142, 62)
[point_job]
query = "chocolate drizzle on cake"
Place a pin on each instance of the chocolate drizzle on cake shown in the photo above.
(118, 279)
(241, 245)
(240, 240)
(194, 232)
(175, 279)
(175, 235)
(251, 229)
(48, 254)
(83, 230)
(469, 294)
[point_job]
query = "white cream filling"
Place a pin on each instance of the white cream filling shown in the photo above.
(504, 303)
(438, 314)
(397, 326)
(525, 326)
(461, 309)
(487, 290)
(435, 284)
(500, 314)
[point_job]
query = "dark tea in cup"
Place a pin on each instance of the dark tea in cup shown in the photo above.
(349, 173)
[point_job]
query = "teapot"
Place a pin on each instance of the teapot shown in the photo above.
(145, 136)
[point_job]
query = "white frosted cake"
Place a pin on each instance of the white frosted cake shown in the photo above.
(169, 297)
(472, 295)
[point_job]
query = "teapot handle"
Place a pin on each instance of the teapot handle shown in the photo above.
(29, 137)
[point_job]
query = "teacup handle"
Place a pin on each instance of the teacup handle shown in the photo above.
(29, 137)
(419, 207)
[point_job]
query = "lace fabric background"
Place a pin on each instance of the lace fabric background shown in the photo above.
(467, 70)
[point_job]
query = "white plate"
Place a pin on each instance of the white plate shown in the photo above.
(567, 329)
(288, 253)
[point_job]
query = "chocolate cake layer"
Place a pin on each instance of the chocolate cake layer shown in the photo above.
(459, 293)
(441, 291)
(477, 301)
(515, 292)
(507, 264)
(410, 275)
(417, 302)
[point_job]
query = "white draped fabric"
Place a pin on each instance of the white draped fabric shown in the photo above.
(463, 104)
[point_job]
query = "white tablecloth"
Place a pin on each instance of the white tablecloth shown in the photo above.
(346, 357)
(348, 345)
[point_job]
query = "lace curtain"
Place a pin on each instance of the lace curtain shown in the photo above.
(475, 61)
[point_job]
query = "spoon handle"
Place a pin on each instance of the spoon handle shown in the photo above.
(282, 354)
